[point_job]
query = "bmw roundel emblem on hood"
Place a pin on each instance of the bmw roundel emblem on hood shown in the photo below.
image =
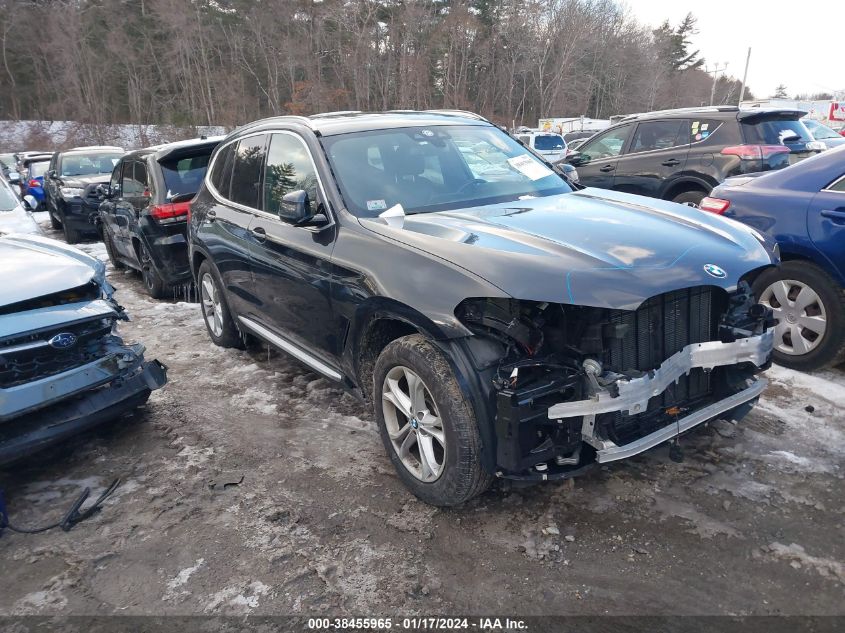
(62, 340)
(715, 271)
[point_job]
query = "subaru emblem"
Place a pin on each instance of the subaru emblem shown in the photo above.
(715, 271)
(62, 340)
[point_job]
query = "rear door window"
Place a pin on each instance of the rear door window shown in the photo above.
(775, 132)
(184, 175)
(247, 171)
(654, 135)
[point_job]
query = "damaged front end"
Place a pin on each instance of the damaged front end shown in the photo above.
(577, 385)
(64, 368)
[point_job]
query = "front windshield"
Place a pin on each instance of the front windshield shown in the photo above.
(8, 200)
(820, 131)
(89, 164)
(436, 168)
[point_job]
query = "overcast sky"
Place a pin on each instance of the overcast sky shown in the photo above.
(797, 44)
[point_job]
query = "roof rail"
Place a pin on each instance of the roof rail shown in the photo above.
(721, 108)
(454, 112)
(324, 115)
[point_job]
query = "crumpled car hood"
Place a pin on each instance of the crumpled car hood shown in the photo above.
(32, 266)
(18, 220)
(592, 247)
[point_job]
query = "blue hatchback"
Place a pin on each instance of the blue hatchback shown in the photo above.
(802, 207)
(34, 183)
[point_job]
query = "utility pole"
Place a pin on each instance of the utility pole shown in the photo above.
(715, 72)
(744, 77)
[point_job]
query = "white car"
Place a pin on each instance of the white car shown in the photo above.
(15, 216)
(549, 145)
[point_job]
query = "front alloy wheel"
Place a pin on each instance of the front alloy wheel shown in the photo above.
(413, 424)
(800, 316)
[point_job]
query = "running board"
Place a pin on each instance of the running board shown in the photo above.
(297, 352)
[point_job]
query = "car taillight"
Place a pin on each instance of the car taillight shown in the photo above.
(170, 213)
(758, 152)
(34, 183)
(714, 205)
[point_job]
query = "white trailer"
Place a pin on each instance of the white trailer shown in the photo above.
(572, 124)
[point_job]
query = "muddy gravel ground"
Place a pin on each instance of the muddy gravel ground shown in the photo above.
(750, 523)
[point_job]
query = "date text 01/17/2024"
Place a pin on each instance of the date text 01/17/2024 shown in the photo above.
(417, 623)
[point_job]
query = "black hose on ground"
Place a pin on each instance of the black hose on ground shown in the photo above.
(70, 518)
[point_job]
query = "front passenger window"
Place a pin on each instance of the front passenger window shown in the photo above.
(608, 145)
(289, 168)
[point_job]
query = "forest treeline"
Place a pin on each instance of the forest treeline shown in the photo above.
(226, 62)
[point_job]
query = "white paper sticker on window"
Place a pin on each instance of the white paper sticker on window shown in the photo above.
(376, 205)
(529, 167)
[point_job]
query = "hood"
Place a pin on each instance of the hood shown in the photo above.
(592, 247)
(33, 266)
(83, 181)
(18, 220)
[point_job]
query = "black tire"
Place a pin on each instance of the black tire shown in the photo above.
(831, 349)
(57, 226)
(229, 335)
(72, 236)
(110, 250)
(156, 287)
(462, 476)
(690, 198)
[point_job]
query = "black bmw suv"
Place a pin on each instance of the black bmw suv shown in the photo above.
(145, 210)
(501, 324)
(680, 155)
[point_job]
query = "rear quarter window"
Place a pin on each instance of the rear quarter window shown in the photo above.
(221, 174)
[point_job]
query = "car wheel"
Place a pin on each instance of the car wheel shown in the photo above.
(690, 198)
(72, 236)
(156, 286)
(427, 424)
(110, 250)
(55, 223)
(215, 311)
(809, 308)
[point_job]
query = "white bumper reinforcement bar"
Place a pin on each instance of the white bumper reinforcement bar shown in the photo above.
(612, 452)
(634, 394)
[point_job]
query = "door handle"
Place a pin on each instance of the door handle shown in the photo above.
(607, 168)
(211, 216)
(259, 234)
(671, 162)
(837, 215)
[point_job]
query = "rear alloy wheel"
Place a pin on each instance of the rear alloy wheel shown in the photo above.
(427, 424)
(156, 286)
(215, 311)
(690, 198)
(809, 310)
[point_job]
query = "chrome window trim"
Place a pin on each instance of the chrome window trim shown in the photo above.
(828, 188)
(259, 212)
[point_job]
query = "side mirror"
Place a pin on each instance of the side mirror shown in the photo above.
(102, 191)
(295, 207)
(575, 158)
(30, 203)
(51, 173)
(14, 177)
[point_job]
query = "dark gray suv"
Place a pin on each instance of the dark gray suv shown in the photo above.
(501, 324)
